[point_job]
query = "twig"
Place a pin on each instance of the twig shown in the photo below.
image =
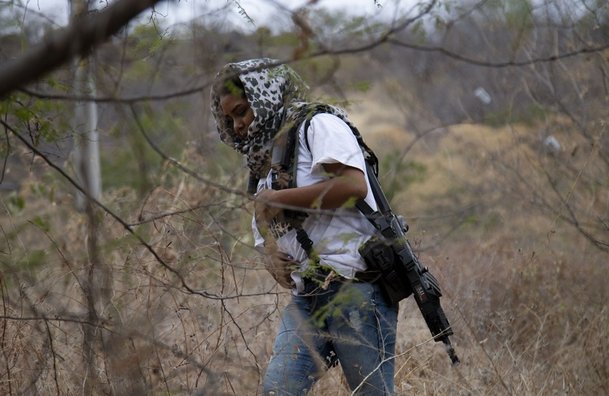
(62, 45)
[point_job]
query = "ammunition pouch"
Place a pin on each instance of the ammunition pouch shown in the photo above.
(381, 257)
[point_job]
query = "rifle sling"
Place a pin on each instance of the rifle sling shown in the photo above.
(361, 204)
(288, 159)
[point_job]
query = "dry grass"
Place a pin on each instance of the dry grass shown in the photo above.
(525, 293)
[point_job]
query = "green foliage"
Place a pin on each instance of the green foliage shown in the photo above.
(136, 164)
(32, 260)
(243, 13)
(361, 86)
(123, 171)
(223, 161)
(148, 48)
(148, 41)
(44, 190)
(519, 19)
(287, 39)
(317, 69)
(43, 119)
(212, 247)
(335, 308)
(518, 13)
(418, 32)
(336, 26)
(42, 223)
(349, 203)
(15, 203)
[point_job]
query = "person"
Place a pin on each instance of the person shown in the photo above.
(337, 312)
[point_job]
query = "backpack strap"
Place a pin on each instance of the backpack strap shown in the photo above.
(288, 164)
(285, 150)
(252, 183)
(369, 156)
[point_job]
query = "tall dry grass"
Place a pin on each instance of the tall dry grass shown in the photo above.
(525, 293)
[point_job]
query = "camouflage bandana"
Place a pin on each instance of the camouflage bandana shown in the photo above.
(277, 96)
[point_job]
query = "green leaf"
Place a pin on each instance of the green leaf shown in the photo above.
(41, 223)
(34, 259)
(16, 203)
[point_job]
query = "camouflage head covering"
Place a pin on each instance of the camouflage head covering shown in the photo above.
(277, 96)
(270, 92)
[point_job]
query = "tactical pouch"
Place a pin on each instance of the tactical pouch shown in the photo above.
(381, 257)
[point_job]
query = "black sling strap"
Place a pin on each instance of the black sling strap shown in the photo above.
(290, 155)
(379, 198)
(288, 164)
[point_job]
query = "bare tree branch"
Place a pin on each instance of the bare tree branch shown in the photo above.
(116, 99)
(477, 62)
(177, 163)
(77, 39)
(111, 213)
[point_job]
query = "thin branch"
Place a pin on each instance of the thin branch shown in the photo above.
(219, 186)
(103, 324)
(177, 163)
(54, 354)
(64, 44)
(126, 226)
(28, 10)
(477, 62)
(150, 219)
(115, 99)
(385, 37)
(8, 151)
(3, 343)
(324, 52)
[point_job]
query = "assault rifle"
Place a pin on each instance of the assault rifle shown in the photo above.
(401, 273)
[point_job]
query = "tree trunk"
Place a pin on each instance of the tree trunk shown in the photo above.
(86, 138)
(86, 165)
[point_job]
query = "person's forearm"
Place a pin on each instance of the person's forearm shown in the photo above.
(329, 194)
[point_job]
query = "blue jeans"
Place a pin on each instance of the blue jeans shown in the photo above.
(350, 323)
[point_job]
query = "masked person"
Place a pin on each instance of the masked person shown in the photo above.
(337, 312)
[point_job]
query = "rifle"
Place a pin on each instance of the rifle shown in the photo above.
(401, 273)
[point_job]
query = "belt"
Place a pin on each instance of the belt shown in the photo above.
(321, 275)
(367, 276)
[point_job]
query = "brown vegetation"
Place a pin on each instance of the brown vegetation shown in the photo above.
(160, 291)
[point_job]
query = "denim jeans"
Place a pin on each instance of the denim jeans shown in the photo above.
(350, 323)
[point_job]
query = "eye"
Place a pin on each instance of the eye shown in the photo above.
(241, 110)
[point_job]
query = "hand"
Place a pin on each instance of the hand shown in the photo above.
(264, 210)
(280, 265)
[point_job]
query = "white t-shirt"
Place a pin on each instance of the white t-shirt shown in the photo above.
(336, 237)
